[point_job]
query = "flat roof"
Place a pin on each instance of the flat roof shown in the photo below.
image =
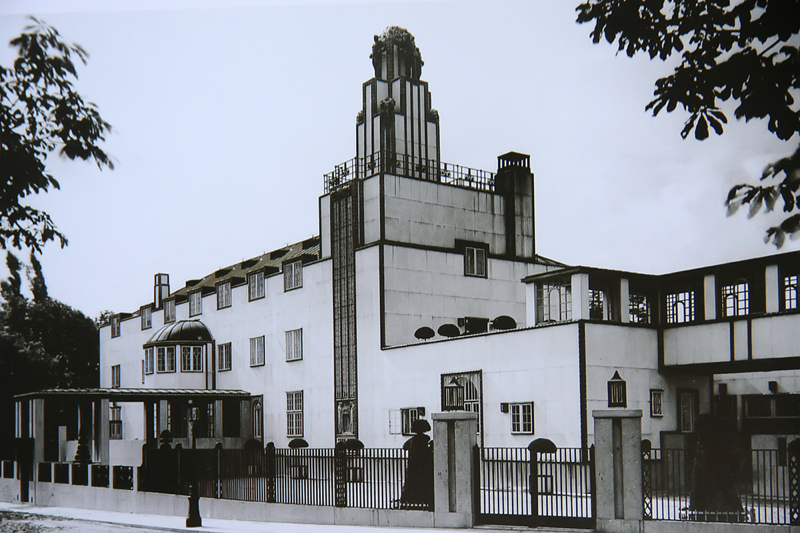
(135, 394)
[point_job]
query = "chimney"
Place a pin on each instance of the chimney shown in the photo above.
(161, 290)
(514, 181)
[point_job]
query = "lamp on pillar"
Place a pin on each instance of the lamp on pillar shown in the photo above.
(194, 519)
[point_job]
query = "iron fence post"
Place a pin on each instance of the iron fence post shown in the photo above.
(340, 474)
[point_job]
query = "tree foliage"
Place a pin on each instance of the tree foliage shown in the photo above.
(41, 113)
(43, 343)
(743, 52)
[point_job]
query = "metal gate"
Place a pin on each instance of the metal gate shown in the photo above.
(540, 485)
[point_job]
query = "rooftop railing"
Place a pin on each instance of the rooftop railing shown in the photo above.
(410, 167)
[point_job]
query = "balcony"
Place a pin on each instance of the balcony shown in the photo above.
(410, 167)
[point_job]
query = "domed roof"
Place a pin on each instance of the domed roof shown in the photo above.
(181, 332)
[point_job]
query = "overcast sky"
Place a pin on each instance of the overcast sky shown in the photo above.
(226, 118)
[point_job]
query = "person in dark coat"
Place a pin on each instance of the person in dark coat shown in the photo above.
(418, 487)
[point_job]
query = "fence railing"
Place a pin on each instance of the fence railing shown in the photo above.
(408, 166)
(368, 478)
(763, 485)
(551, 488)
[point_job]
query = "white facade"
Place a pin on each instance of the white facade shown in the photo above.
(403, 249)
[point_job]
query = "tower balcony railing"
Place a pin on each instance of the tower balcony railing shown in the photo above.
(410, 167)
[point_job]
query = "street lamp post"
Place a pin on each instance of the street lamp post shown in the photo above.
(194, 519)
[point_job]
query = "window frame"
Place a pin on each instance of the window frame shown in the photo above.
(518, 418)
(686, 297)
(116, 326)
(170, 312)
(146, 313)
(545, 305)
(227, 297)
(149, 360)
(224, 351)
(257, 351)
(256, 276)
(476, 260)
(294, 414)
(192, 358)
(789, 292)
(737, 292)
(294, 279)
(294, 345)
(165, 355)
(116, 376)
(195, 303)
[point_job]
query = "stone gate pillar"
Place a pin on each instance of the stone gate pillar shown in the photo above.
(618, 469)
(454, 440)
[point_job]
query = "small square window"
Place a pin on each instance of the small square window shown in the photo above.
(224, 356)
(147, 317)
(224, 295)
(522, 418)
(292, 275)
(475, 261)
(255, 285)
(169, 311)
(115, 327)
(115, 376)
(195, 303)
(257, 351)
(294, 345)
(656, 403)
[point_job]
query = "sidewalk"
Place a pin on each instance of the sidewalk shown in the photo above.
(210, 525)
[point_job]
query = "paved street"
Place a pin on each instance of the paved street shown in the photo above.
(20, 518)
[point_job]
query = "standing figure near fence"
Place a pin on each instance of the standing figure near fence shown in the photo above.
(714, 494)
(418, 487)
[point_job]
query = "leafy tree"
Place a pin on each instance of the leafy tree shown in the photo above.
(737, 52)
(43, 343)
(41, 113)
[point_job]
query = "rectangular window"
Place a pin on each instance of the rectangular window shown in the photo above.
(554, 301)
(597, 305)
(639, 309)
(790, 292)
(224, 295)
(475, 261)
(147, 317)
(255, 286)
(114, 422)
(148, 360)
(196, 303)
(257, 351)
(294, 345)
(617, 391)
(522, 418)
(210, 419)
(294, 414)
(292, 275)
(170, 359)
(735, 299)
(224, 356)
(115, 326)
(688, 409)
(680, 307)
(169, 311)
(115, 376)
(656, 403)
(408, 416)
(161, 360)
(191, 358)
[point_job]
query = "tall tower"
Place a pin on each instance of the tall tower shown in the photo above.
(397, 130)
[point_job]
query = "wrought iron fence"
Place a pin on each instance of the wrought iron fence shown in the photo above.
(368, 478)
(763, 485)
(517, 487)
(408, 166)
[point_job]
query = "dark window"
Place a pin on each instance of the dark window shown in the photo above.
(115, 326)
(231, 418)
(475, 261)
(617, 392)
